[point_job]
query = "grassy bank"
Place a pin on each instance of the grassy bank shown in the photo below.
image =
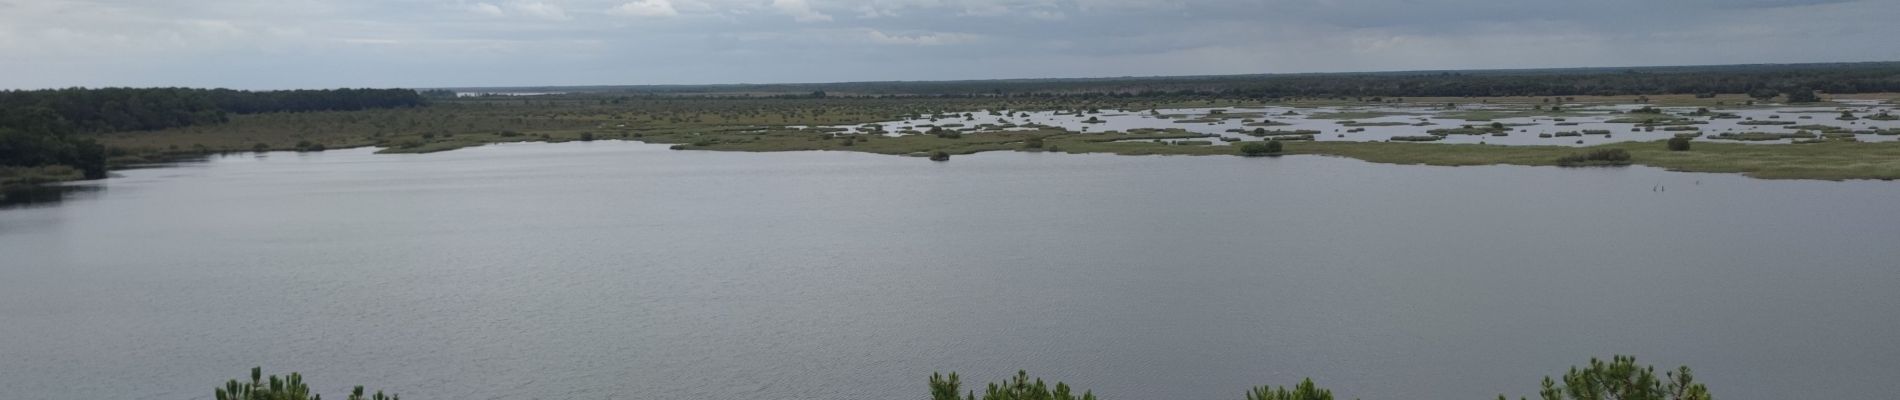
(13, 177)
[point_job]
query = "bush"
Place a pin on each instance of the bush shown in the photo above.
(1678, 144)
(305, 145)
(940, 155)
(1261, 148)
(1602, 157)
(587, 136)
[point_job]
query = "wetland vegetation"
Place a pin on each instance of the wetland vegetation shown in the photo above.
(55, 135)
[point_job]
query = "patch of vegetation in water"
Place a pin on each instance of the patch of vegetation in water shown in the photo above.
(1468, 130)
(1761, 136)
(1818, 127)
(1352, 115)
(1650, 119)
(1383, 123)
(1596, 158)
(1263, 132)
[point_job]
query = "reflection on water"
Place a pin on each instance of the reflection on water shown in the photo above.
(46, 195)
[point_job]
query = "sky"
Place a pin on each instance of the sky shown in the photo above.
(281, 44)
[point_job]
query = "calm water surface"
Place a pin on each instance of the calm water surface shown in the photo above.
(622, 270)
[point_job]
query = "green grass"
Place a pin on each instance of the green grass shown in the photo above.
(25, 176)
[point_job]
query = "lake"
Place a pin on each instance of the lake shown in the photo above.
(596, 270)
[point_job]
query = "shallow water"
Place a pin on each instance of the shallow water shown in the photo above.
(1416, 121)
(625, 270)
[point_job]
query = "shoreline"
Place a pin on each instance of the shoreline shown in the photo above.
(1832, 161)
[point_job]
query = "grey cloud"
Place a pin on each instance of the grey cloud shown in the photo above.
(299, 43)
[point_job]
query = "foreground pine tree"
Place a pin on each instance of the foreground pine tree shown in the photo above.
(284, 388)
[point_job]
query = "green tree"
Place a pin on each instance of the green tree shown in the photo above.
(1802, 96)
(1019, 387)
(1763, 94)
(1623, 379)
(1306, 390)
(281, 388)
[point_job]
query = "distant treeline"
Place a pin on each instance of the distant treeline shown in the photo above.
(39, 127)
(128, 109)
(1765, 78)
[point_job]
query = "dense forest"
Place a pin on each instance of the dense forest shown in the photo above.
(39, 128)
(1761, 78)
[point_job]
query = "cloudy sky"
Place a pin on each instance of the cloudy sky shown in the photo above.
(269, 44)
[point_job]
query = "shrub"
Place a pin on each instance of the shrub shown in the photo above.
(1261, 148)
(305, 145)
(940, 155)
(1602, 157)
(587, 136)
(1679, 143)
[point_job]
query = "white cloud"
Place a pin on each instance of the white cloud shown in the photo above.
(1132, 5)
(800, 10)
(926, 39)
(538, 9)
(645, 8)
(1047, 15)
(486, 9)
(869, 11)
